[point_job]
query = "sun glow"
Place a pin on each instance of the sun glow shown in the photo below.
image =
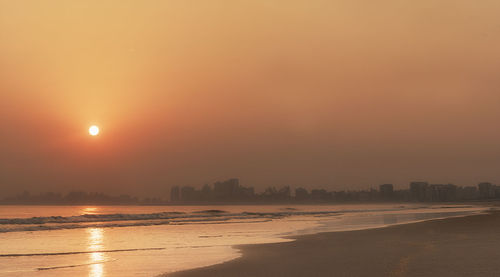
(94, 130)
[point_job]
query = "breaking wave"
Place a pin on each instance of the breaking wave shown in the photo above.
(161, 218)
(127, 220)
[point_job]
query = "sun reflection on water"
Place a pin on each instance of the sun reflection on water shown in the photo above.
(90, 210)
(95, 241)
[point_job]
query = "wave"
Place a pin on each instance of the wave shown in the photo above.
(211, 211)
(90, 218)
(161, 218)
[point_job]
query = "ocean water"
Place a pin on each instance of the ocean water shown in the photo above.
(98, 241)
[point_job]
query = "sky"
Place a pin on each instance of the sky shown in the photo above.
(334, 94)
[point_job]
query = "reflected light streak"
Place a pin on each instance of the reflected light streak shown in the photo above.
(95, 241)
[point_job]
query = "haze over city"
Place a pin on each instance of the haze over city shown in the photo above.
(329, 94)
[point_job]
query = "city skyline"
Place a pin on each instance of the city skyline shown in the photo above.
(232, 192)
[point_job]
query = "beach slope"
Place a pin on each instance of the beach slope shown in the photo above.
(465, 246)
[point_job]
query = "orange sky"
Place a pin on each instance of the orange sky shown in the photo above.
(335, 94)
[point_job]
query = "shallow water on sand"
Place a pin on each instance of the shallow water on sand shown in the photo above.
(98, 241)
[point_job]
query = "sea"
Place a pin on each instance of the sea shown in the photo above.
(98, 241)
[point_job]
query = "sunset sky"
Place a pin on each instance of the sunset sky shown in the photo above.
(335, 94)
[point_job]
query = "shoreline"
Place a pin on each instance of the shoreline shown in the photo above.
(407, 249)
(254, 203)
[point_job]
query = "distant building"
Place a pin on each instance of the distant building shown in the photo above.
(226, 190)
(320, 195)
(188, 193)
(467, 193)
(442, 193)
(206, 193)
(301, 194)
(486, 190)
(386, 191)
(175, 194)
(340, 196)
(247, 193)
(284, 193)
(418, 191)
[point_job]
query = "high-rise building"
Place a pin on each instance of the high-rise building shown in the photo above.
(188, 193)
(175, 194)
(418, 191)
(301, 194)
(442, 193)
(486, 190)
(227, 190)
(386, 191)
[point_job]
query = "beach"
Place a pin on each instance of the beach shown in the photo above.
(460, 246)
(154, 240)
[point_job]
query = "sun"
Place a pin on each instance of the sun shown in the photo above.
(93, 130)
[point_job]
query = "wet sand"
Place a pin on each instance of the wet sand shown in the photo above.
(466, 246)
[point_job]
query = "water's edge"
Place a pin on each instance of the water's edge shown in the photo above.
(291, 238)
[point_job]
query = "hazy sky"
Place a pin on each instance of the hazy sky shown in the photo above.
(339, 94)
